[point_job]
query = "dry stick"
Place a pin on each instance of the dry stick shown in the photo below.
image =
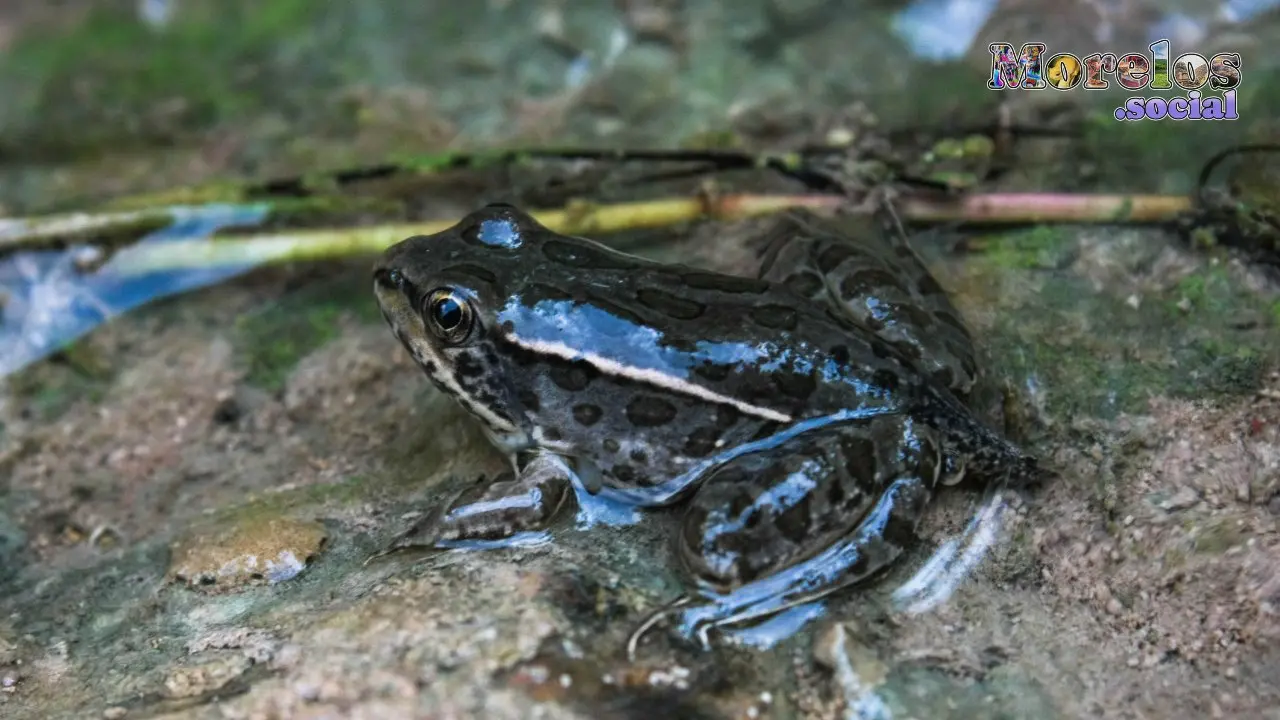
(1020, 208)
(575, 219)
(587, 218)
(21, 232)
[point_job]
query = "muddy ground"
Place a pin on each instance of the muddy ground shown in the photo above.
(147, 474)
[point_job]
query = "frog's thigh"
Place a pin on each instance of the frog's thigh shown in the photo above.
(500, 508)
(763, 513)
(878, 281)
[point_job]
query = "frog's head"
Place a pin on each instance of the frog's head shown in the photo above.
(441, 295)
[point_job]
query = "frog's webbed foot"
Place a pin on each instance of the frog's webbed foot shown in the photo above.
(497, 511)
(771, 533)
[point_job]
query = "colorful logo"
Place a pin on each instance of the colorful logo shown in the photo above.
(1209, 84)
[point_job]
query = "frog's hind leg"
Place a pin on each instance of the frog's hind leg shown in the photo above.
(771, 532)
(496, 511)
(864, 268)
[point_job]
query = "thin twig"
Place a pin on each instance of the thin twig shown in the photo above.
(587, 218)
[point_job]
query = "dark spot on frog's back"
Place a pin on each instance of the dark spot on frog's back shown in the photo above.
(529, 400)
(887, 379)
(587, 414)
(701, 442)
(952, 320)
(626, 475)
(584, 256)
(774, 317)
(615, 310)
(796, 385)
(870, 282)
(472, 270)
(831, 258)
(724, 283)
(944, 377)
(671, 304)
(840, 353)
(793, 523)
(928, 285)
(573, 377)
(724, 416)
(712, 371)
(859, 455)
(806, 284)
(885, 351)
(539, 291)
(650, 411)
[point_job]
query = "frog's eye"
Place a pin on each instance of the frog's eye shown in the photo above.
(449, 315)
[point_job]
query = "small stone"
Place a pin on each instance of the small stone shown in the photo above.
(192, 681)
(1181, 500)
(840, 137)
(114, 713)
(250, 550)
(1114, 607)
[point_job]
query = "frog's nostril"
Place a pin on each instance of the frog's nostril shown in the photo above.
(388, 278)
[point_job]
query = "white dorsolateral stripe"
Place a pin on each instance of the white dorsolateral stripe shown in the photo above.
(648, 376)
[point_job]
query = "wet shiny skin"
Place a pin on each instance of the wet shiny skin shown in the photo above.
(806, 415)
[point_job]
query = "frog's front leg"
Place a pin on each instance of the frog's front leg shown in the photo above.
(514, 502)
(771, 532)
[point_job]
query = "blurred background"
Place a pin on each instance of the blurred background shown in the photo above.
(104, 97)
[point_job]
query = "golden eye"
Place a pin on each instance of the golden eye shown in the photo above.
(449, 315)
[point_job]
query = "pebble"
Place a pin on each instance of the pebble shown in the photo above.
(1181, 500)
(249, 551)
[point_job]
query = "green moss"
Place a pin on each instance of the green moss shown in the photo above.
(1039, 247)
(272, 341)
(330, 211)
(192, 75)
(345, 493)
(212, 193)
(52, 386)
(1216, 537)
(725, 139)
(1094, 354)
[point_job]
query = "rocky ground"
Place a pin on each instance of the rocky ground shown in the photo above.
(188, 496)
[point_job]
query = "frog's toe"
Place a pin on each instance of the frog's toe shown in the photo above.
(651, 621)
(423, 536)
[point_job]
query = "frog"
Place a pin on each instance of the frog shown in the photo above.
(803, 416)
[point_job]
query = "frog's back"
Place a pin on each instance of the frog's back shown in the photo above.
(754, 340)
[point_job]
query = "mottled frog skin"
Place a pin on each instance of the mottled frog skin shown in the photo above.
(806, 414)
